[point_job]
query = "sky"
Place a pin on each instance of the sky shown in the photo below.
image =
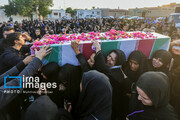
(114, 4)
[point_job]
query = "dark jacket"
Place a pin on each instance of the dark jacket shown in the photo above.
(9, 59)
(13, 71)
(3, 46)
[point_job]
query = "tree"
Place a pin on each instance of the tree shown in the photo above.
(43, 7)
(71, 11)
(93, 7)
(25, 7)
(10, 9)
(28, 7)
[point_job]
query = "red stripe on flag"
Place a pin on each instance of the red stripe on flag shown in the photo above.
(146, 46)
(87, 50)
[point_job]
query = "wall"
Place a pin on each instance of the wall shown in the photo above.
(3, 17)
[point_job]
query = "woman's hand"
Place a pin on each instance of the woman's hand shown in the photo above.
(97, 46)
(75, 47)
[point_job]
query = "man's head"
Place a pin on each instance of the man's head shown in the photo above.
(7, 30)
(15, 38)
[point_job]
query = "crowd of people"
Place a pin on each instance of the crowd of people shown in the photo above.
(100, 88)
(96, 25)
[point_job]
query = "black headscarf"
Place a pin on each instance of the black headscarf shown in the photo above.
(96, 97)
(165, 57)
(141, 59)
(51, 71)
(120, 58)
(70, 76)
(42, 109)
(155, 85)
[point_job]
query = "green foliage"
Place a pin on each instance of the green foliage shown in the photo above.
(10, 9)
(71, 11)
(43, 6)
(24, 7)
(27, 7)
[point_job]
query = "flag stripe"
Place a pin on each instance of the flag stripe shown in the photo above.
(160, 43)
(146, 46)
(68, 55)
(87, 50)
(128, 46)
(106, 47)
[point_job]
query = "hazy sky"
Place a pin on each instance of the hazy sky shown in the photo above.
(123, 4)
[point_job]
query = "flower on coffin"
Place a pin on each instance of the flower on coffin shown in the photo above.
(111, 35)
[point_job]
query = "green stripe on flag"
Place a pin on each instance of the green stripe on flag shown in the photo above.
(161, 43)
(60, 55)
(53, 56)
(106, 47)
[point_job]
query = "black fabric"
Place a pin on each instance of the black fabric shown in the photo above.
(42, 109)
(83, 63)
(165, 57)
(155, 85)
(64, 115)
(129, 84)
(25, 50)
(141, 59)
(119, 100)
(95, 99)
(3, 46)
(51, 71)
(120, 58)
(9, 59)
(20, 66)
(37, 37)
(175, 89)
(133, 76)
(70, 76)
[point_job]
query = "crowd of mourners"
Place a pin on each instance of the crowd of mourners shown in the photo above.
(104, 87)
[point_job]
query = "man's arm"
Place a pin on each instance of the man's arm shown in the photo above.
(30, 70)
(13, 71)
(16, 69)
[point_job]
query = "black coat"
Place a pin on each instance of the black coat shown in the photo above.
(9, 59)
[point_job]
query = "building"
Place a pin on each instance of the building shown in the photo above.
(88, 13)
(56, 14)
(154, 12)
(113, 12)
(4, 18)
